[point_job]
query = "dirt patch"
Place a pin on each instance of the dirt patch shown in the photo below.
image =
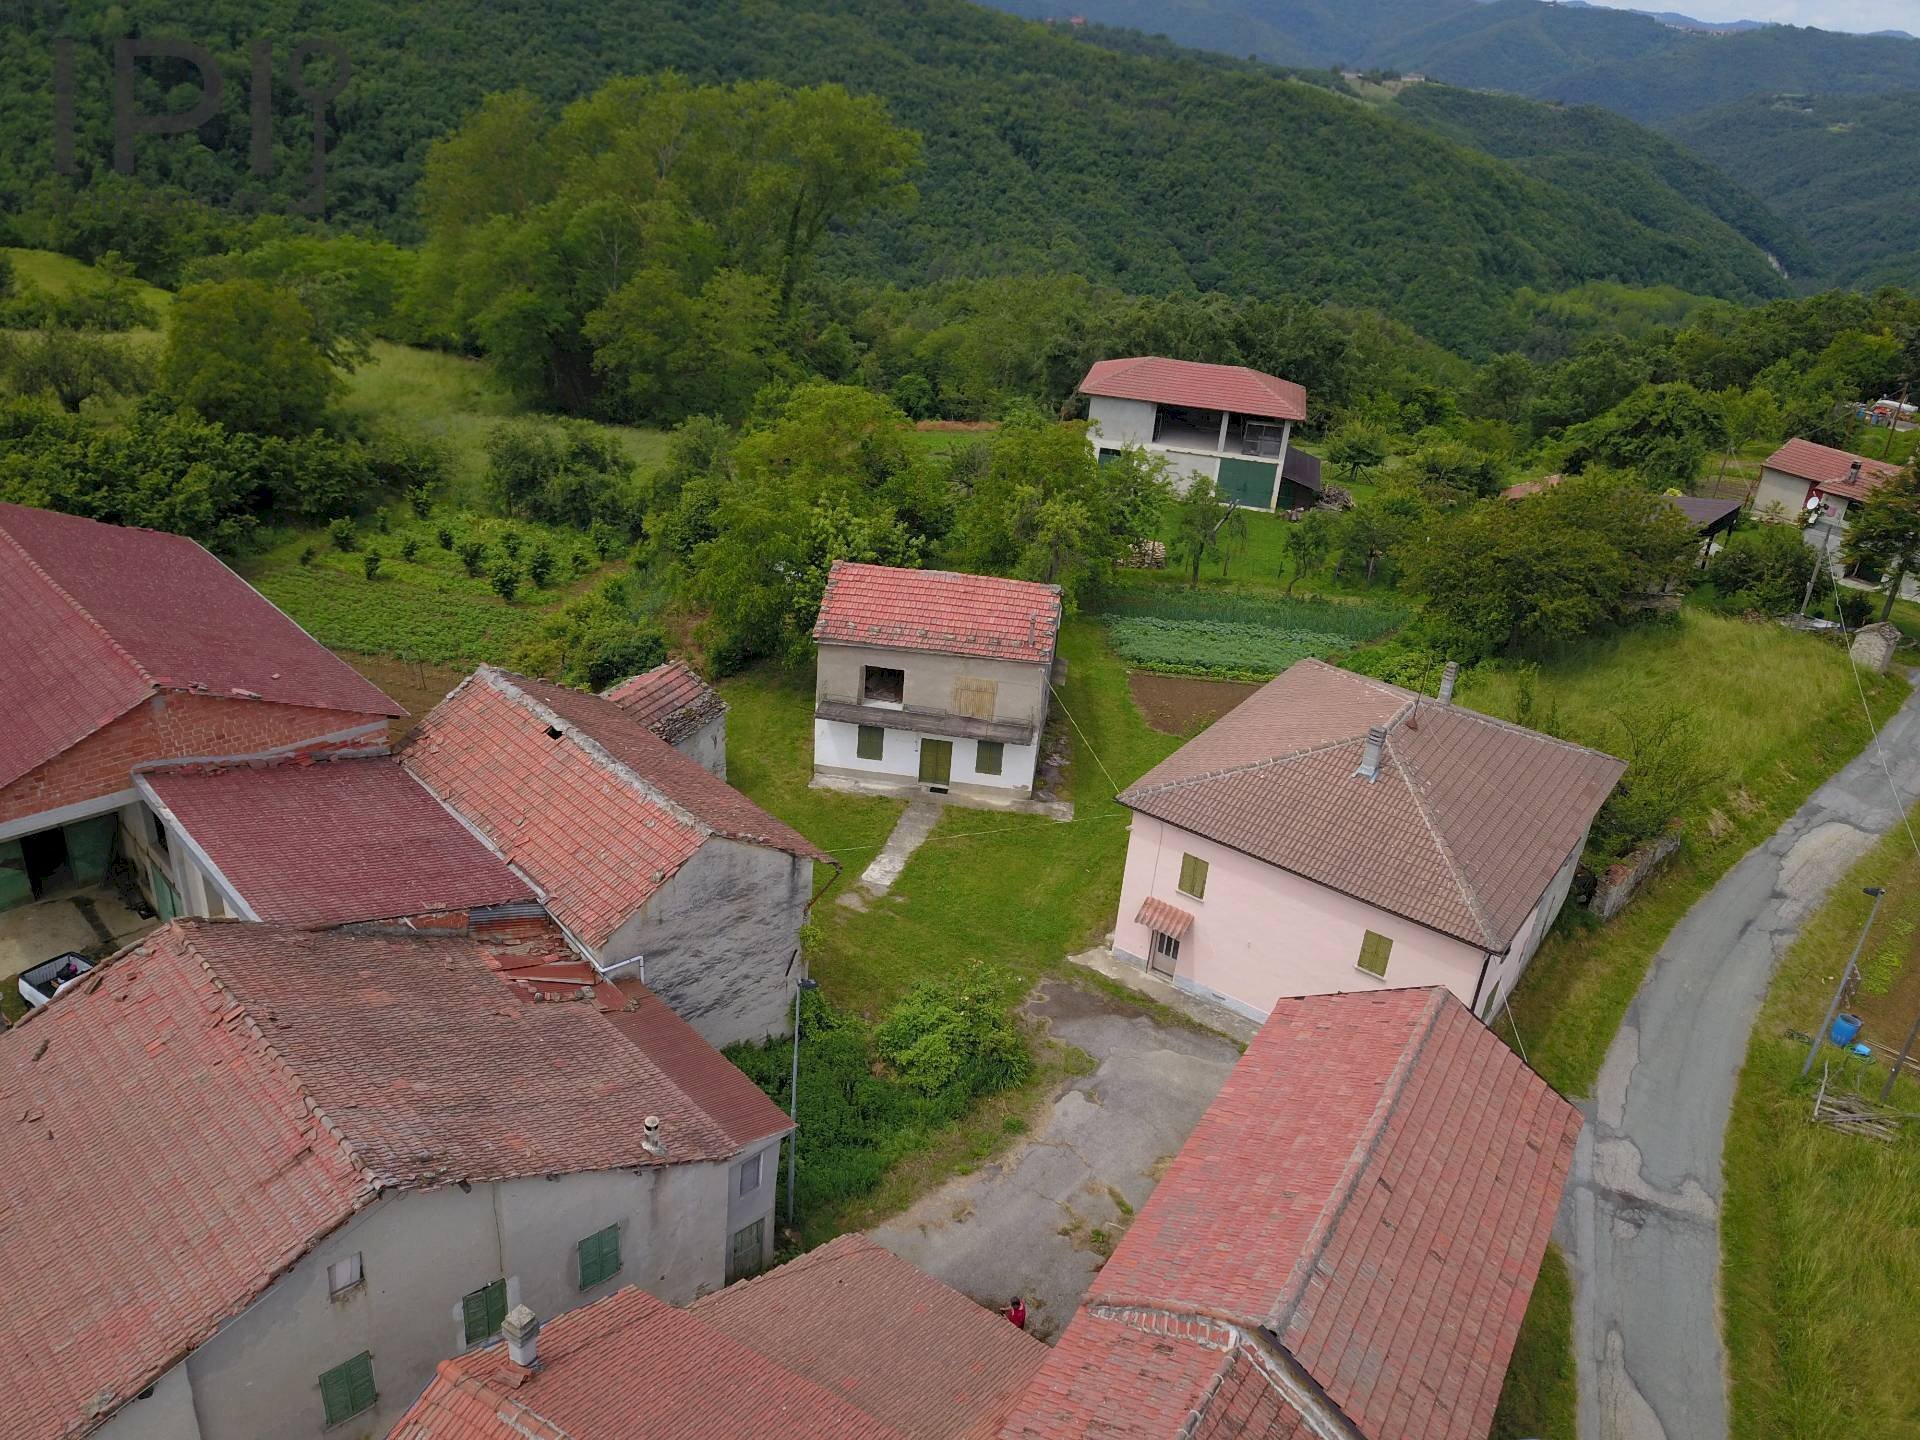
(418, 687)
(1184, 704)
(958, 426)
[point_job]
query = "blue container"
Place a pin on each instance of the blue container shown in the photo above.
(1846, 1028)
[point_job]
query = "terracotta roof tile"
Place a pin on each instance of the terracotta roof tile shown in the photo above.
(107, 615)
(670, 700)
(939, 611)
(323, 844)
(1233, 388)
(733, 1102)
(890, 1339)
(1466, 825)
(1167, 918)
(1830, 469)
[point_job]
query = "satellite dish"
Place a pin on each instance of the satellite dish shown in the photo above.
(1813, 502)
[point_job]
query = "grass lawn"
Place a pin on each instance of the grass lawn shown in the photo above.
(1820, 1231)
(1779, 713)
(61, 274)
(1539, 1400)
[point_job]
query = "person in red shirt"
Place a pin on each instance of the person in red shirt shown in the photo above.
(1017, 1312)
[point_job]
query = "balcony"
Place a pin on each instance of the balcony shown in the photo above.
(1178, 428)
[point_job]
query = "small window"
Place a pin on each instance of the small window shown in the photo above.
(750, 1174)
(988, 756)
(483, 1311)
(599, 1257)
(883, 684)
(1374, 951)
(1166, 948)
(1193, 876)
(745, 1251)
(872, 743)
(1107, 456)
(347, 1389)
(343, 1275)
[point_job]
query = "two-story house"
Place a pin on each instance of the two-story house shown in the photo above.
(933, 681)
(1801, 476)
(1226, 422)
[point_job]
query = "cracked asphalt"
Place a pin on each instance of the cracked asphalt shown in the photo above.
(1026, 1224)
(1641, 1219)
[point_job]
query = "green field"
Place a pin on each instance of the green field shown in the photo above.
(60, 274)
(1234, 634)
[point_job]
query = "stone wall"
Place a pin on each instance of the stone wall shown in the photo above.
(1622, 879)
(1873, 646)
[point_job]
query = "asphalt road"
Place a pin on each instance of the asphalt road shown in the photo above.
(1641, 1221)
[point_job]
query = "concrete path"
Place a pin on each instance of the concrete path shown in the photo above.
(1641, 1219)
(1040, 1221)
(915, 824)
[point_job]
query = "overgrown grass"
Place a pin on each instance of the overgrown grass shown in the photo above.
(1779, 713)
(62, 274)
(1236, 635)
(1540, 1399)
(1820, 1231)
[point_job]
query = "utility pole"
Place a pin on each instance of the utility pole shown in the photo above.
(1826, 543)
(1839, 991)
(800, 986)
(1893, 425)
(1900, 1061)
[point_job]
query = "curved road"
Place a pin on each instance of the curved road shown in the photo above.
(1641, 1220)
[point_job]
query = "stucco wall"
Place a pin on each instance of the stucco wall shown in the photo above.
(166, 1414)
(258, 1378)
(1020, 689)
(1504, 971)
(1262, 933)
(836, 751)
(1115, 424)
(717, 938)
(707, 746)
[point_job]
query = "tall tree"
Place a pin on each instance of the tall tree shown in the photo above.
(248, 355)
(1884, 533)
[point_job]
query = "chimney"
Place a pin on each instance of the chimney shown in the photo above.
(1370, 760)
(1448, 677)
(652, 1143)
(521, 1329)
(1853, 476)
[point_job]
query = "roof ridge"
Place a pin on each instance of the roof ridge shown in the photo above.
(1265, 763)
(1287, 1304)
(85, 614)
(1405, 769)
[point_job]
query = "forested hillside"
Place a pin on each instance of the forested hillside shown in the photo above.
(1841, 167)
(1040, 152)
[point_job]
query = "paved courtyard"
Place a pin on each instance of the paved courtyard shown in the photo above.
(87, 919)
(1040, 1221)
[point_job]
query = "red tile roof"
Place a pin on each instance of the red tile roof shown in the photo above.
(221, 1096)
(1168, 919)
(1465, 827)
(630, 1367)
(102, 616)
(579, 796)
(712, 1082)
(939, 611)
(1233, 388)
(1830, 469)
(323, 844)
(891, 1339)
(1373, 1188)
(670, 700)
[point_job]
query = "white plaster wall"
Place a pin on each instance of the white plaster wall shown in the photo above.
(1775, 487)
(717, 937)
(421, 1252)
(1263, 933)
(166, 1414)
(1186, 466)
(1115, 424)
(1504, 971)
(707, 746)
(756, 1204)
(836, 750)
(1020, 689)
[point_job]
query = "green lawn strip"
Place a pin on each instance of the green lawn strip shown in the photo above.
(1820, 1231)
(59, 274)
(1779, 713)
(1539, 1399)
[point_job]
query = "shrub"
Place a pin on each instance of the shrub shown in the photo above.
(370, 562)
(581, 562)
(381, 523)
(409, 548)
(955, 1036)
(445, 537)
(1764, 567)
(307, 555)
(342, 533)
(420, 501)
(540, 564)
(510, 544)
(473, 555)
(1667, 770)
(505, 581)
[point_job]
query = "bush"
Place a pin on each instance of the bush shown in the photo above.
(1667, 770)
(505, 581)
(540, 565)
(510, 544)
(308, 555)
(564, 473)
(594, 641)
(420, 501)
(955, 1035)
(473, 556)
(445, 537)
(1764, 567)
(409, 548)
(370, 562)
(342, 533)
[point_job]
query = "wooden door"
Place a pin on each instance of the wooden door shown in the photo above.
(936, 762)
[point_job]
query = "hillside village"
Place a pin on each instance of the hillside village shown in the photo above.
(676, 773)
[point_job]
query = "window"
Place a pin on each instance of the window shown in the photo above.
(988, 756)
(1166, 953)
(483, 1310)
(872, 743)
(343, 1275)
(881, 685)
(1107, 456)
(1193, 876)
(1374, 951)
(975, 699)
(599, 1257)
(750, 1174)
(347, 1389)
(745, 1251)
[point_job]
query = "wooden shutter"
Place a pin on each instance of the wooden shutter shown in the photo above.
(599, 1257)
(1193, 876)
(988, 756)
(484, 1311)
(871, 743)
(1374, 952)
(347, 1389)
(975, 698)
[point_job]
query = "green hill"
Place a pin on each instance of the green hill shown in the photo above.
(1042, 153)
(1840, 167)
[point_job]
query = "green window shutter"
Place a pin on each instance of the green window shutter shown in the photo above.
(347, 1389)
(1374, 951)
(484, 1311)
(599, 1257)
(987, 757)
(1193, 876)
(872, 742)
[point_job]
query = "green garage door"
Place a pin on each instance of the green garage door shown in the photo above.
(1248, 481)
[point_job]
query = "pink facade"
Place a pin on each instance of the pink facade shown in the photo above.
(1260, 933)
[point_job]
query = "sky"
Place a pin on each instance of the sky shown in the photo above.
(1858, 16)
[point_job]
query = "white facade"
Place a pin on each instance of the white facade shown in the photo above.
(836, 747)
(1193, 451)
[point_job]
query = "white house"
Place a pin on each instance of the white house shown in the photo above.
(932, 681)
(1801, 472)
(1226, 422)
(262, 1180)
(1334, 832)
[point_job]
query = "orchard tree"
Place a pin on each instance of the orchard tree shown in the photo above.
(1358, 449)
(1307, 542)
(73, 366)
(1884, 532)
(1200, 516)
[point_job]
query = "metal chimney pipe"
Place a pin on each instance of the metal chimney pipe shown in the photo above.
(1369, 767)
(1448, 678)
(651, 1141)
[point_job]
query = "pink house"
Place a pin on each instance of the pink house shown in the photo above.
(1338, 833)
